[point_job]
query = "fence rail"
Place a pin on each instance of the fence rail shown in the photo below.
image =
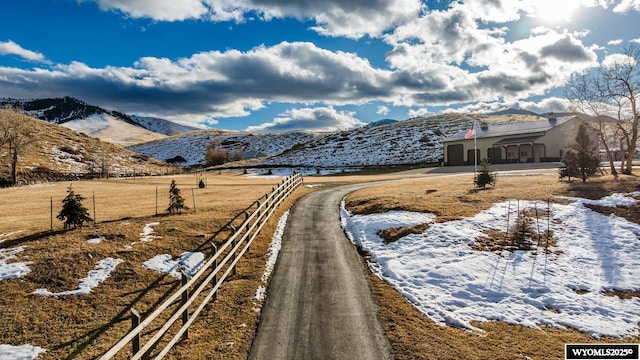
(214, 272)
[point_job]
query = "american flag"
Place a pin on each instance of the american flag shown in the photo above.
(471, 133)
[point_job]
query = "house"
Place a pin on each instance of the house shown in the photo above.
(514, 142)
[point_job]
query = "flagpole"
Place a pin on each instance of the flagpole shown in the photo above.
(475, 152)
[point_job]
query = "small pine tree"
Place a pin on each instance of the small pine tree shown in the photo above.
(485, 176)
(582, 159)
(176, 201)
(73, 213)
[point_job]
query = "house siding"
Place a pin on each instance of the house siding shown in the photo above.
(516, 147)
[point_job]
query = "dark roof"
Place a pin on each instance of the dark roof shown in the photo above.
(511, 128)
(518, 140)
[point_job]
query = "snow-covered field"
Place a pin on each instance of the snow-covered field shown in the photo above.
(453, 284)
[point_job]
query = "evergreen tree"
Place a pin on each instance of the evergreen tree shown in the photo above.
(582, 159)
(176, 201)
(485, 176)
(73, 213)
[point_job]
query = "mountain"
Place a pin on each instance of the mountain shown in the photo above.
(58, 153)
(512, 111)
(71, 112)
(415, 141)
(192, 146)
(162, 126)
(411, 142)
(111, 128)
(381, 122)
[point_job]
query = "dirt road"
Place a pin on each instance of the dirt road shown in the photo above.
(319, 305)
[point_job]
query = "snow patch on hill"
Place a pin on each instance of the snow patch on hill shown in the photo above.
(108, 128)
(162, 126)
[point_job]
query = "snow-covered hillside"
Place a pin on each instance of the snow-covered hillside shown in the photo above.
(68, 109)
(192, 146)
(108, 128)
(406, 142)
(162, 126)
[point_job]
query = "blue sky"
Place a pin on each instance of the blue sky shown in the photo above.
(318, 65)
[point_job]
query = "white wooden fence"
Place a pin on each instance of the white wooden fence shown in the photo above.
(214, 271)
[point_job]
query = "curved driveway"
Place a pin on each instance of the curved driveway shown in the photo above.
(319, 304)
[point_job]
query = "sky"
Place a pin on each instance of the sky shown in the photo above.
(311, 65)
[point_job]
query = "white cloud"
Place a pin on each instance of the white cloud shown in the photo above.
(211, 84)
(415, 113)
(618, 59)
(382, 110)
(161, 10)
(615, 42)
(454, 57)
(352, 19)
(317, 119)
(552, 104)
(627, 5)
(11, 48)
(637, 41)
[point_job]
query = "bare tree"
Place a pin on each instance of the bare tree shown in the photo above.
(613, 89)
(16, 134)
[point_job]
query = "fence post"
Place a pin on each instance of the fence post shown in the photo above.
(193, 196)
(233, 248)
(135, 321)
(215, 265)
(185, 298)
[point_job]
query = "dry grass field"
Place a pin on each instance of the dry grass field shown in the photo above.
(415, 336)
(83, 327)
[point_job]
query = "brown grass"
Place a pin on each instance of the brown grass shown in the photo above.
(412, 334)
(392, 234)
(86, 326)
(36, 161)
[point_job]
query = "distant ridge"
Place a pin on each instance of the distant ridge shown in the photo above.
(512, 111)
(66, 109)
(381, 122)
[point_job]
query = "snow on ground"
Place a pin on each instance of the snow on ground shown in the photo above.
(22, 352)
(274, 250)
(282, 172)
(191, 261)
(3, 237)
(12, 270)
(147, 230)
(454, 284)
(97, 240)
(99, 274)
